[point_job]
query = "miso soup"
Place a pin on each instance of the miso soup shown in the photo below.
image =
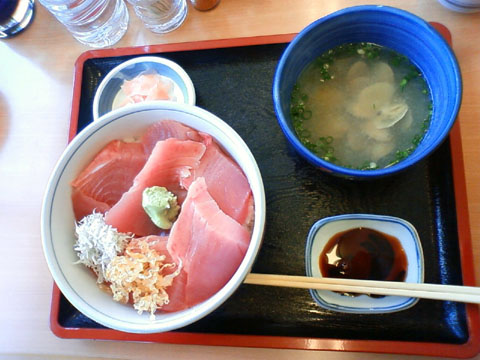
(361, 106)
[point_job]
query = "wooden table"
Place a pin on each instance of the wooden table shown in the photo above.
(36, 75)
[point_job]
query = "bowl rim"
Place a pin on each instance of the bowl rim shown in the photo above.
(143, 59)
(198, 311)
(345, 171)
(388, 303)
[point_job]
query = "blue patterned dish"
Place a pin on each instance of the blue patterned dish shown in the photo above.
(323, 230)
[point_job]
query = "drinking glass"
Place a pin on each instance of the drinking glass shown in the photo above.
(96, 23)
(15, 16)
(160, 16)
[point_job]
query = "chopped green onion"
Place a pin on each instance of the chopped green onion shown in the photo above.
(307, 114)
(416, 139)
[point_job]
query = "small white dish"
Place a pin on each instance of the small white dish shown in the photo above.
(109, 94)
(462, 6)
(323, 230)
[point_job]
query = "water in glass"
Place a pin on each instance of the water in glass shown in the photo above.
(160, 16)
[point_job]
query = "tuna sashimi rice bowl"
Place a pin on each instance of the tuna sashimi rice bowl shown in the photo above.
(153, 217)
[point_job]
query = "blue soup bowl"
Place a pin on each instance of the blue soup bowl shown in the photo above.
(396, 29)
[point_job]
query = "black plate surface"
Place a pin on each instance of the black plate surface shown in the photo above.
(235, 84)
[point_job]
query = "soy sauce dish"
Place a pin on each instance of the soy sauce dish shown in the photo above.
(367, 247)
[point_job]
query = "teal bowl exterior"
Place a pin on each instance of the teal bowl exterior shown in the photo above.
(390, 27)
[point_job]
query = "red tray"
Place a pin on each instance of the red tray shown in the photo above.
(466, 349)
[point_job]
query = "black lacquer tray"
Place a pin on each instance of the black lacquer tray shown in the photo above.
(235, 82)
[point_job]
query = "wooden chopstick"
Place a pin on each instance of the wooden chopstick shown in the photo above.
(458, 293)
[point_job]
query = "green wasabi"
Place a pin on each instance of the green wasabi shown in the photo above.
(161, 206)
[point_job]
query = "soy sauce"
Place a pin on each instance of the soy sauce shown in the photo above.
(365, 254)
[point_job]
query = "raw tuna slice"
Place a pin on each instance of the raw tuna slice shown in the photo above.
(171, 160)
(226, 182)
(176, 294)
(102, 183)
(166, 129)
(84, 205)
(210, 244)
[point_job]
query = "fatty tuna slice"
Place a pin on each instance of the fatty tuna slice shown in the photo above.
(210, 244)
(166, 129)
(171, 161)
(226, 182)
(102, 183)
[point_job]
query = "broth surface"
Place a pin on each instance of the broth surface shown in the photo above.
(361, 106)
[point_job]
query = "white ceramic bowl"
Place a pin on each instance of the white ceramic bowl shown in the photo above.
(463, 6)
(108, 91)
(77, 282)
(323, 230)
